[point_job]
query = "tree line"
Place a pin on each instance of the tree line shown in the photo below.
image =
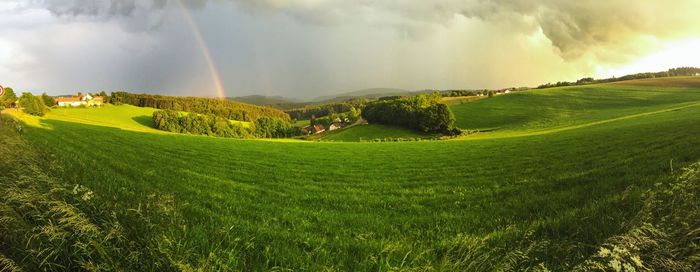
(422, 112)
(212, 125)
(227, 109)
(29, 103)
(308, 111)
(680, 71)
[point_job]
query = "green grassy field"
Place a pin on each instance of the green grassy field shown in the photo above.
(124, 116)
(576, 170)
(370, 132)
(556, 108)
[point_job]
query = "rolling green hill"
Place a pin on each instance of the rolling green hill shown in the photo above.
(557, 108)
(577, 169)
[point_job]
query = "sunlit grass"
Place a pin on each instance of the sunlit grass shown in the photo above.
(512, 203)
(366, 206)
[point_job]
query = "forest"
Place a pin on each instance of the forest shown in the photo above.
(226, 109)
(212, 125)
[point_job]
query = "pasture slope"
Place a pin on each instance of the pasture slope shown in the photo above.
(565, 171)
(370, 132)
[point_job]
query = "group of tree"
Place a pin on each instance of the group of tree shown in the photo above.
(31, 104)
(422, 112)
(484, 92)
(344, 118)
(680, 71)
(315, 110)
(227, 109)
(267, 127)
(27, 102)
(48, 100)
(8, 99)
(212, 125)
(458, 93)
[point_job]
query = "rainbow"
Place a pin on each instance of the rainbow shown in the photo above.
(221, 93)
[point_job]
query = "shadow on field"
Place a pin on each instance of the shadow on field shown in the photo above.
(144, 120)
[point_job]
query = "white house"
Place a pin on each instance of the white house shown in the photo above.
(69, 101)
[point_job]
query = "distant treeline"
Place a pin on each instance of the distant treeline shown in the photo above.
(226, 109)
(326, 109)
(212, 125)
(422, 112)
(681, 71)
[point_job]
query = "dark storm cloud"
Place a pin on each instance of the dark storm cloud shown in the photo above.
(315, 47)
(574, 27)
(88, 7)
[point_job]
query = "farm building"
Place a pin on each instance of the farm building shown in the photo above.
(69, 101)
(315, 129)
(334, 126)
(83, 100)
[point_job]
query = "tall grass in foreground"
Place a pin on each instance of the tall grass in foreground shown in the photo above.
(49, 226)
(668, 237)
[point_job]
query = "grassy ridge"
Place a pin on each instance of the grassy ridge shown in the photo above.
(560, 107)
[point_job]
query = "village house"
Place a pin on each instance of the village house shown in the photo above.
(319, 128)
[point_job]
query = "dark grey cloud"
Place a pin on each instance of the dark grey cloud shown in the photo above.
(575, 28)
(314, 47)
(98, 8)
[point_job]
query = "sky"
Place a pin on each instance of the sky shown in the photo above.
(311, 48)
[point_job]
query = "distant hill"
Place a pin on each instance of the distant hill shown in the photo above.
(366, 93)
(262, 100)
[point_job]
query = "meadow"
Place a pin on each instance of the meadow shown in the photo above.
(544, 110)
(371, 132)
(575, 170)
